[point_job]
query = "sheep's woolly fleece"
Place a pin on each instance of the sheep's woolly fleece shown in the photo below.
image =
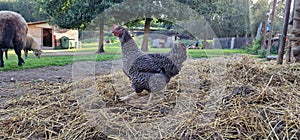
(233, 98)
(18, 22)
(31, 43)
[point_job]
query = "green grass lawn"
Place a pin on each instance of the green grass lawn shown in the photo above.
(206, 53)
(32, 62)
(112, 51)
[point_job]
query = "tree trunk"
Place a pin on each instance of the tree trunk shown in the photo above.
(146, 35)
(263, 41)
(288, 53)
(271, 28)
(101, 38)
(284, 32)
(288, 57)
(204, 42)
(296, 32)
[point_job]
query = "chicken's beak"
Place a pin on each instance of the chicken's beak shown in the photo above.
(113, 28)
(111, 31)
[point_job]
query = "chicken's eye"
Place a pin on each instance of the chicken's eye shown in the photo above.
(118, 32)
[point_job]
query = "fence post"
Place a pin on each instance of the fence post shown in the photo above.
(232, 43)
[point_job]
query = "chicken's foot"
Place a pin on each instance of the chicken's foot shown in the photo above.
(128, 96)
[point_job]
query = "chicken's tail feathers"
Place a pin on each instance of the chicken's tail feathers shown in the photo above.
(178, 54)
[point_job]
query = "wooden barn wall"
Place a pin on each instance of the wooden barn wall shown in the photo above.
(36, 32)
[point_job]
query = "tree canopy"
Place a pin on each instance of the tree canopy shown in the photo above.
(75, 14)
(27, 8)
(132, 12)
(226, 17)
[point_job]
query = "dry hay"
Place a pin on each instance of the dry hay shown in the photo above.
(236, 98)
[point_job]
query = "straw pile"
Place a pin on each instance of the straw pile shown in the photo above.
(236, 98)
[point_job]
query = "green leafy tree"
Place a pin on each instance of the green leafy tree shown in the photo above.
(76, 14)
(234, 18)
(5, 5)
(27, 8)
(226, 17)
(133, 12)
(259, 11)
(279, 14)
(30, 10)
(258, 14)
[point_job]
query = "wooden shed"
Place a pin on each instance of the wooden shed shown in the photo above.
(50, 37)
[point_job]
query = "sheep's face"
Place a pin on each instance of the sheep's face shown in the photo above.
(37, 53)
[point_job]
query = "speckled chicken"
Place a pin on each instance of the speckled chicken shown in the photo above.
(150, 72)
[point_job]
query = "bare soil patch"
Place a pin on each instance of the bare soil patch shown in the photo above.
(15, 83)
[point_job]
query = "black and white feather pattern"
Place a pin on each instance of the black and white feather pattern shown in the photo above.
(151, 72)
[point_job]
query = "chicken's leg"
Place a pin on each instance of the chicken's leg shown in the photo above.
(149, 99)
(128, 96)
(178, 86)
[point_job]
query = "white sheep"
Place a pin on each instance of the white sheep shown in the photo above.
(32, 45)
(13, 31)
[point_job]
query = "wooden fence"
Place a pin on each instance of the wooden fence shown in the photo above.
(231, 43)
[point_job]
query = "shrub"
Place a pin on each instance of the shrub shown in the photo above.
(187, 42)
(255, 47)
(90, 40)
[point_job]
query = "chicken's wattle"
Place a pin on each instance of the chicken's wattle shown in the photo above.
(116, 34)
